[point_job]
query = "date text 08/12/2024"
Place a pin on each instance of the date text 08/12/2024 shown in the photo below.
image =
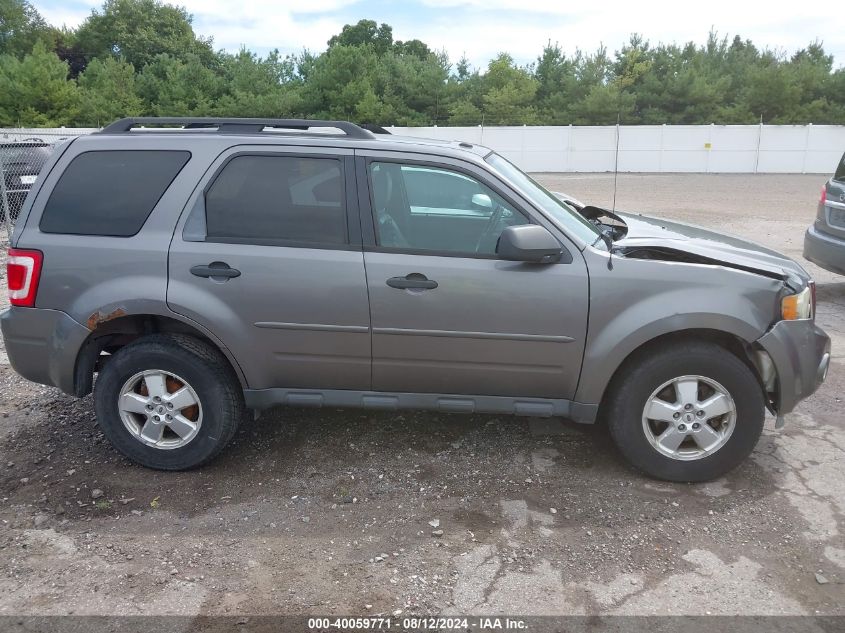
(416, 623)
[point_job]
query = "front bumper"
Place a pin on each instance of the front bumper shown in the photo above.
(800, 352)
(825, 250)
(42, 345)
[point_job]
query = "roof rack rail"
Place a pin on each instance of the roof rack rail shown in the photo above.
(374, 128)
(234, 125)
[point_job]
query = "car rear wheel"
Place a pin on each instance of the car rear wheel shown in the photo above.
(169, 402)
(686, 412)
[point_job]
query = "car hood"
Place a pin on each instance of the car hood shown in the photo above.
(646, 232)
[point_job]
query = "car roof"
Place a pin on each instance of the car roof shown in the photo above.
(289, 131)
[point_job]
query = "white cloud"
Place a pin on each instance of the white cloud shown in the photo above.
(488, 31)
(482, 28)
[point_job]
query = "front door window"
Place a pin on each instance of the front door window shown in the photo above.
(431, 209)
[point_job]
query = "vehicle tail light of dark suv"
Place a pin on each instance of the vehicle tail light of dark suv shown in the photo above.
(23, 270)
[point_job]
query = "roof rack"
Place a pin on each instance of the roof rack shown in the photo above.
(375, 129)
(233, 125)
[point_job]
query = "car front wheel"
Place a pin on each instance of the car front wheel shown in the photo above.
(691, 411)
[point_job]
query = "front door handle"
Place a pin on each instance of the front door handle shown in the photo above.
(414, 281)
(216, 270)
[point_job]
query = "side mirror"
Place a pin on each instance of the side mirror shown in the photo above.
(528, 243)
(482, 200)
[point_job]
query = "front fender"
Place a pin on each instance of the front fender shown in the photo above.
(640, 300)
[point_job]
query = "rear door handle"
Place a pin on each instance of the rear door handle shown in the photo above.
(216, 270)
(414, 281)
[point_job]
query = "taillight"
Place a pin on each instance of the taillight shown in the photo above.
(23, 270)
(823, 197)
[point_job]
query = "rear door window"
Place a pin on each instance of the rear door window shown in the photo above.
(277, 201)
(110, 192)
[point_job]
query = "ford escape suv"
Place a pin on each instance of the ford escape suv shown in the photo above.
(202, 267)
(824, 241)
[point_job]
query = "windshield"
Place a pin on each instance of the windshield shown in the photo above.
(565, 215)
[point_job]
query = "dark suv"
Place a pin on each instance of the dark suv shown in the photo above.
(244, 263)
(824, 242)
(21, 161)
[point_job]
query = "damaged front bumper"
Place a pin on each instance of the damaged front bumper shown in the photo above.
(799, 354)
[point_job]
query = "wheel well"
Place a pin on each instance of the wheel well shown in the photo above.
(730, 342)
(109, 336)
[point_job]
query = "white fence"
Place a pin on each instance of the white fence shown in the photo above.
(658, 148)
(642, 148)
(47, 134)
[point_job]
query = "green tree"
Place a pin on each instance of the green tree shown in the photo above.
(465, 113)
(35, 91)
(604, 104)
(143, 56)
(139, 31)
(365, 33)
(509, 94)
(21, 26)
(340, 78)
(107, 92)
(771, 92)
(259, 87)
(415, 48)
(415, 87)
(557, 85)
(178, 87)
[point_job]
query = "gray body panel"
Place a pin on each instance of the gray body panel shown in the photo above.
(299, 315)
(320, 326)
(800, 351)
(296, 317)
(465, 337)
(42, 345)
(539, 407)
(625, 312)
(825, 250)
(644, 231)
(824, 241)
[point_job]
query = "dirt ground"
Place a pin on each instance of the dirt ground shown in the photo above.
(335, 511)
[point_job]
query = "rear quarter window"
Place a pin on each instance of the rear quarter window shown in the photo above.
(840, 170)
(110, 192)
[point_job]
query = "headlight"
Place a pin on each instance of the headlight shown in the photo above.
(798, 306)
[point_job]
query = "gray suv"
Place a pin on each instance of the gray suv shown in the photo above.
(824, 241)
(202, 267)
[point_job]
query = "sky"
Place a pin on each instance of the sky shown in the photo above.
(480, 29)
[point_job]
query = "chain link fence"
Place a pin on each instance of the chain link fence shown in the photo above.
(23, 154)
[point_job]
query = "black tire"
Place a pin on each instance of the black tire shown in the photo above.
(208, 373)
(641, 375)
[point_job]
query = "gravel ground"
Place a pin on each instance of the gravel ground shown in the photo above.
(354, 512)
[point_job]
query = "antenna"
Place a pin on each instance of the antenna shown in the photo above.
(616, 163)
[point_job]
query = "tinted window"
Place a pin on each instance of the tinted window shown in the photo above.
(840, 170)
(434, 209)
(110, 192)
(277, 200)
